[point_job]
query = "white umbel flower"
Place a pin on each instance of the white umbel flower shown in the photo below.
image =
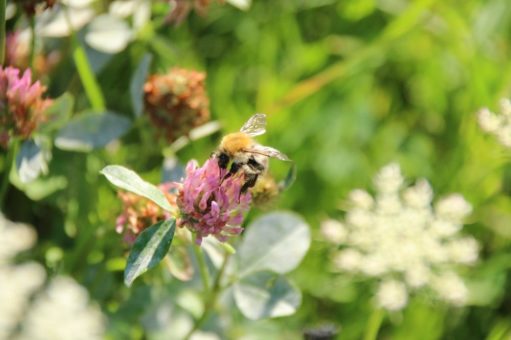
(63, 312)
(405, 240)
(17, 284)
(392, 295)
(60, 312)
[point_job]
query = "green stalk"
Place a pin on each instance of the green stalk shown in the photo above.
(374, 324)
(87, 77)
(211, 299)
(2, 31)
(203, 268)
(9, 162)
(32, 45)
(90, 84)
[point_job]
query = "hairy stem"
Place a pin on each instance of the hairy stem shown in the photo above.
(9, 162)
(203, 268)
(211, 298)
(2, 31)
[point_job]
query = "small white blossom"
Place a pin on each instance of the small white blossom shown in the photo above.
(453, 208)
(443, 228)
(488, 121)
(464, 250)
(404, 241)
(389, 179)
(417, 276)
(498, 125)
(451, 288)
(348, 260)
(505, 107)
(333, 231)
(504, 135)
(15, 238)
(419, 196)
(361, 199)
(392, 295)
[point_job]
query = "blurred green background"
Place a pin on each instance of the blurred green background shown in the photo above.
(348, 87)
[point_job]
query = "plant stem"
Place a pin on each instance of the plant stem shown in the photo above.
(211, 298)
(374, 323)
(9, 162)
(87, 77)
(32, 45)
(2, 31)
(203, 268)
(90, 84)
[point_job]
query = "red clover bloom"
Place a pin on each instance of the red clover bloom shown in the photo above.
(21, 104)
(211, 203)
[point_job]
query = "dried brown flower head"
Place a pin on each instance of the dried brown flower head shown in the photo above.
(177, 102)
(140, 213)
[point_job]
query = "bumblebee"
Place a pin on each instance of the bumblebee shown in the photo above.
(246, 155)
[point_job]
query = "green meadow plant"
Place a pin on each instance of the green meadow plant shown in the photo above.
(118, 222)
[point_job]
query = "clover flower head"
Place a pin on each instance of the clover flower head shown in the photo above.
(403, 239)
(31, 7)
(497, 124)
(177, 102)
(212, 203)
(139, 213)
(181, 9)
(21, 104)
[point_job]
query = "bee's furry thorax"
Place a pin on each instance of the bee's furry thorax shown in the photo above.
(234, 143)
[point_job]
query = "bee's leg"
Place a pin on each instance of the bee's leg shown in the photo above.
(234, 169)
(250, 181)
(223, 160)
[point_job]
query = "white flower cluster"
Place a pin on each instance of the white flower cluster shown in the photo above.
(497, 124)
(400, 238)
(62, 311)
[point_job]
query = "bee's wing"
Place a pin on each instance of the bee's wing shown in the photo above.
(269, 151)
(255, 125)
